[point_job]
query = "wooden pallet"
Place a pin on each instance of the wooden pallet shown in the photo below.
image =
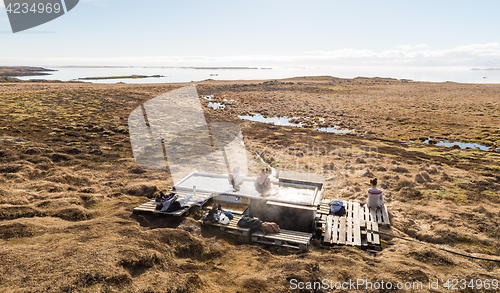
(342, 230)
(150, 207)
(324, 208)
(350, 229)
(286, 238)
(233, 227)
(381, 216)
(372, 238)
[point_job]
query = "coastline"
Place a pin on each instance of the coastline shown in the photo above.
(121, 77)
(13, 71)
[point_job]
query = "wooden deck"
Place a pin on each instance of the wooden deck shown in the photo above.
(286, 238)
(352, 229)
(381, 216)
(150, 207)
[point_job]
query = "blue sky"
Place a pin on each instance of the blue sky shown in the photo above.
(261, 33)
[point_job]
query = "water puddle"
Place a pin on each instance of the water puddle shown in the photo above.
(288, 121)
(462, 145)
(282, 121)
(335, 129)
(216, 106)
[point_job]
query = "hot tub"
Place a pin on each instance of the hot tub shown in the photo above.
(292, 204)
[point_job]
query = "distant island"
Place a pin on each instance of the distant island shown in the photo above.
(220, 68)
(182, 67)
(23, 71)
(121, 77)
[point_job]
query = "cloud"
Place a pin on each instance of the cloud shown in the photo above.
(474, 55)
(410, 47)
(419, 54)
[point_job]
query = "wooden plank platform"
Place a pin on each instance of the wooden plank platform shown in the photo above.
(381, 216)
(233, 227)
(150, 207)
(328, 230)
(351, 229)
(372, 238)
(286, 238)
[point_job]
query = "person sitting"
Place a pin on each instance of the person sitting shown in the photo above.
(375, 198)
(263, 182)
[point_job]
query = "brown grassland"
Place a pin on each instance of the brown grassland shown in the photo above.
(68, 184)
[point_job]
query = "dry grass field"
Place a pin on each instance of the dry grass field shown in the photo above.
(68, 184)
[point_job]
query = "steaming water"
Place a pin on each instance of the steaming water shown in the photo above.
(280, 192)
(292, 194)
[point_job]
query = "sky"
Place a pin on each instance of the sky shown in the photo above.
(261, 33)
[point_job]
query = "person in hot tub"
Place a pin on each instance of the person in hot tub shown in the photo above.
(263, 182)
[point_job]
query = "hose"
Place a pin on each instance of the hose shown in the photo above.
(443, 249)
